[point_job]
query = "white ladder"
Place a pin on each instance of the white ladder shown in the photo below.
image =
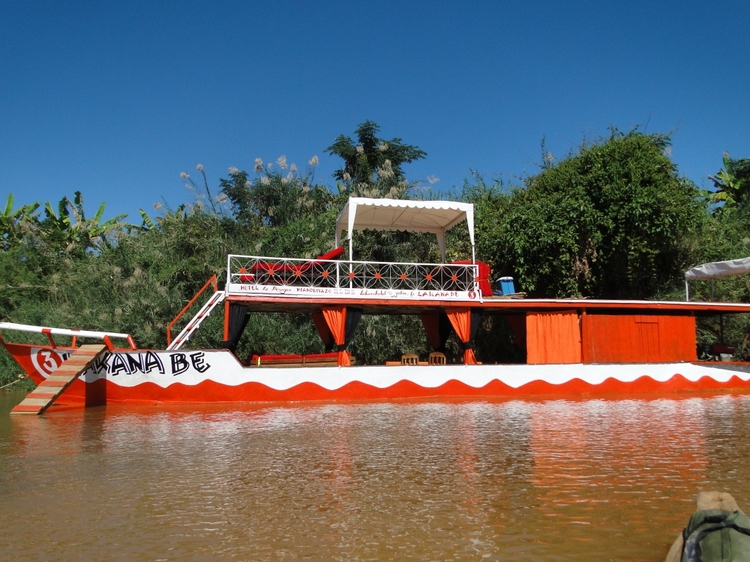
(196, 321)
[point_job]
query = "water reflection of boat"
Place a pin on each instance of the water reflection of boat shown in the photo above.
(571, 346)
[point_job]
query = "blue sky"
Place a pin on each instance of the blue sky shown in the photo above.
(116, 99)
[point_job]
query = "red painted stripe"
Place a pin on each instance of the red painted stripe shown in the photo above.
(22, 408)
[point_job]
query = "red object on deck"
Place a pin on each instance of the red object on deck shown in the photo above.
(333, 254)
(279, 268)
(484, 276)
(276, 356)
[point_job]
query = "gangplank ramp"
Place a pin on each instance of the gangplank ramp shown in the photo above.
(54, 385)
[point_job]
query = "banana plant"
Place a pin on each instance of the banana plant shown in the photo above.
(148, 222)
(71, 230)
(13, 220)
(97, 230)
(732, 182)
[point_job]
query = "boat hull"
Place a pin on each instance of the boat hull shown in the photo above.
(202, 376)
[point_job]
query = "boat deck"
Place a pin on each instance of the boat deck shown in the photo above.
(489, 305)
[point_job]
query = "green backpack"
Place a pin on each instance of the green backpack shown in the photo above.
(715, 535)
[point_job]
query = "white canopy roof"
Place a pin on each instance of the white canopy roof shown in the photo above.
(718, 269)
(399, 214)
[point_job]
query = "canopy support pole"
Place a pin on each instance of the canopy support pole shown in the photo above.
(351, 257)
(441, 245)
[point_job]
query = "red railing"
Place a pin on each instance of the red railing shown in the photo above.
(75, 334)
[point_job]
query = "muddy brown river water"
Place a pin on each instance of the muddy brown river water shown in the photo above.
(586, 480)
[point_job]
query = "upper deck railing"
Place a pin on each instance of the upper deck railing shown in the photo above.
(256, 275)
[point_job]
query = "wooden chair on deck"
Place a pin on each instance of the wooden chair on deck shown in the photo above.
(436, 358)
(410, 359)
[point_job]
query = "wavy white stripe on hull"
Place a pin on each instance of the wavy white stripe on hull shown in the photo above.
(165, 368)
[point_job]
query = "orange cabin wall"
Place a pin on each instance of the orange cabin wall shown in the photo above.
(567, 337)
(631, 338)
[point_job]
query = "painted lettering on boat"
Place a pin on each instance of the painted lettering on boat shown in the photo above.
(439, 294)
(315, 290)
(355, 292)
(374, 293)
(268, 289)
(147, 362)
(180, 363)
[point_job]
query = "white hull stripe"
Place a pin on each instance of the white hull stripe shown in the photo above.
(165, 368)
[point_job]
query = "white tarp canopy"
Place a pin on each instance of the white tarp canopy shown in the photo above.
(718, 269)
(361, 213)
(715, 270)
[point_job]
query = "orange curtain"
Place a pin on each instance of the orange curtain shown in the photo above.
(431, 323)
(461, 322)
(322, 326)
(553, 337)
(336, 320)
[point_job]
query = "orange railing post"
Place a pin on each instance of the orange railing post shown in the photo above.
(47, 333)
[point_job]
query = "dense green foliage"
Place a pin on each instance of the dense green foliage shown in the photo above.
(614, 219)
(608, 222)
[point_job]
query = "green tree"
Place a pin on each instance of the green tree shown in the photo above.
(724, 235)
(274, 198)
(610, 222)
(284, 212)
(371, 159)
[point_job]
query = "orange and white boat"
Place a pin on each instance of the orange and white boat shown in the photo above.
(572, 346)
